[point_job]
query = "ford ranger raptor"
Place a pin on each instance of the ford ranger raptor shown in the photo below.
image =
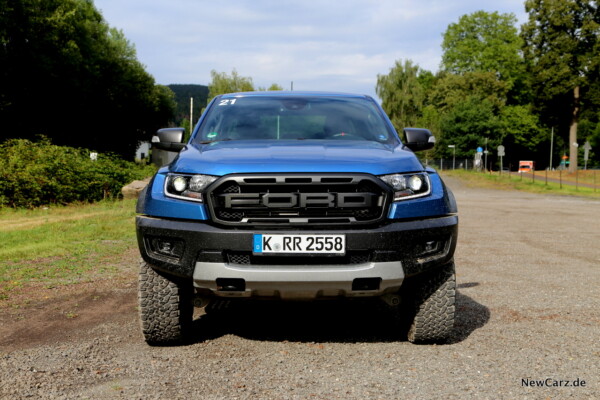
(296, 196)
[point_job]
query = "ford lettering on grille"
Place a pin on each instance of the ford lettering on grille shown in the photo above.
(302, 200)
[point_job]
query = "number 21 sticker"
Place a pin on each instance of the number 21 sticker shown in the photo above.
(228, 102)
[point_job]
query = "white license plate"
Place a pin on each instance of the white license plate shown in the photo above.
(299, 244)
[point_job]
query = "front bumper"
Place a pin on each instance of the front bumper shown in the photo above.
(387, 254)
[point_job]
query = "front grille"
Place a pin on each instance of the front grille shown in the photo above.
(247, 258)
(298, 200)
(240, 259)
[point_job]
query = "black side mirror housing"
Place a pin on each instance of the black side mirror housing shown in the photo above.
(169, 139)
(419, 139)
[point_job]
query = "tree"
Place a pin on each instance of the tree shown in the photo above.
(183, 93)
(451, 90)
(563, 49)
(521, 133)
(65, 74)
(484, 42)
(463, 103)
(222, 83)
(273, 87)
(487, 42)
(402, 93)
(470, 124)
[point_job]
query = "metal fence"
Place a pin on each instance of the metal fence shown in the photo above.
(443, 164)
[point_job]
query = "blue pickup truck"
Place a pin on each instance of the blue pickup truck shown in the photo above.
(296, 196)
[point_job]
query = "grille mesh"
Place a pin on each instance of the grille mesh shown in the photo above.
(230, 216)
(243, 259)
(247, 258)
(230, 187)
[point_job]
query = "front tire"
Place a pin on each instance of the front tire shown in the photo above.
(433, 297)
(166, 308)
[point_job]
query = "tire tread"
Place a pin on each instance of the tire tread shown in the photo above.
(434, 298)
(165, 306)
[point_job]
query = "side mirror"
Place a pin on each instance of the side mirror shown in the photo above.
(169, 139)
(418, 139)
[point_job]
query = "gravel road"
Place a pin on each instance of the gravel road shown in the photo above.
(528, 275)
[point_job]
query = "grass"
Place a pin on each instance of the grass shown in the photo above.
(514, 181)
(61, 245)
(591, 177)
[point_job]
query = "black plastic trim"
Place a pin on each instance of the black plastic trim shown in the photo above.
(395, 241)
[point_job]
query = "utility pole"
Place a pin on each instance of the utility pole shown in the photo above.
(551, 146)
(486, 153)
(191, 115)
(573, 146)
(453, 147)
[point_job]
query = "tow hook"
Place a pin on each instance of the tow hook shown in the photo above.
(200, 302)
(392, 300)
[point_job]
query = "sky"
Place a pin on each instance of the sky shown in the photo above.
(318, 45)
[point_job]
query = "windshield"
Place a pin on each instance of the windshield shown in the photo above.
(294, 118)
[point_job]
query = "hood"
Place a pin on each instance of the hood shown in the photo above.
(306, 156)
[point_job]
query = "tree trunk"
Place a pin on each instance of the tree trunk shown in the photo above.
(573, 148)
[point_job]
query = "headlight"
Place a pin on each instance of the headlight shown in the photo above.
(408, 186)
(187, 187)
(179, 184)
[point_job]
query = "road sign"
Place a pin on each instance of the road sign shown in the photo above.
(501, 154)
(480, 150)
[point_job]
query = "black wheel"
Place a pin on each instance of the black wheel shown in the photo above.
(433, 296)
(166, 308)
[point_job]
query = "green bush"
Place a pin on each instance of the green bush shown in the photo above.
(39, 173)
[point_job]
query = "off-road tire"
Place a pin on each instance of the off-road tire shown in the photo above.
(433, 297)
(166, 308)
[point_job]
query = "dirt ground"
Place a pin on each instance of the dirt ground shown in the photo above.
(528, 273)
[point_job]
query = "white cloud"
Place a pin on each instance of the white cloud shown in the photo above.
(320, 45)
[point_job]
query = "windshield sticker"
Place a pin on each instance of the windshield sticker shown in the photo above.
(228, 102)
(212, 135)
